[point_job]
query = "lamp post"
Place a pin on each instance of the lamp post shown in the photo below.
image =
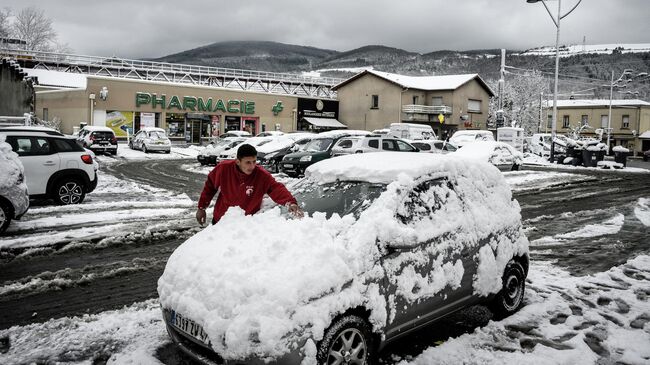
(557, 62)
(613, 84)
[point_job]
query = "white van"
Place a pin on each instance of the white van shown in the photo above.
(540, 144)
(411, 131)
(512, 136)
(461, 138)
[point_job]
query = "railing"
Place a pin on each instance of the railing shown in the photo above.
(426, 109)
(272, 82)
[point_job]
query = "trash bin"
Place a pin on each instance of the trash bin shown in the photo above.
(621, 157)
(587, 158)
(600, 155)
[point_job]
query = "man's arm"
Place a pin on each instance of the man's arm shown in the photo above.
(210, 188)
(281, 195)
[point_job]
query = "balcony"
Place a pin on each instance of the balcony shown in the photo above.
(426, 109)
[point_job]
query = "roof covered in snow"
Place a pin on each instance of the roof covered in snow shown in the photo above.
(58, 79)
(587, 103)
(429, 83)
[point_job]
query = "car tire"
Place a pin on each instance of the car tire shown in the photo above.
(516, 167)
(168, 152)
(144, 148)
(5, 216)
(348, 340)
(68, 191)
(511, 296)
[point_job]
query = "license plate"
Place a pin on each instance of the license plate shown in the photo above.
(188, 327)
(288, 166)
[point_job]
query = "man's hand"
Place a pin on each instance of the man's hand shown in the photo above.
(294, 209)
(200, 216)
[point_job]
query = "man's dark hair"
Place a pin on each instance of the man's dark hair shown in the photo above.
(246, 150)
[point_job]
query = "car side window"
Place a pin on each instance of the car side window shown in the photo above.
(404, 147)
(66, 145)
(423, 200)
(346, 143)
(373, 143)
(32, 146)
(388, 145)
(423, 146)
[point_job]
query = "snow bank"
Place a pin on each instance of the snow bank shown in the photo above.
(10, 165)
(642, 211)
(262, 285)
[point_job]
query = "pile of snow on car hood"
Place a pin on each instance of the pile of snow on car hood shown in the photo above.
(262, 285)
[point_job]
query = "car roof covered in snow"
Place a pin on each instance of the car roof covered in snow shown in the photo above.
(386, 167)
(340, 133)
(96, 128)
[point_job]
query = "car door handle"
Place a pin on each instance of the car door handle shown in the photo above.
(49, 163)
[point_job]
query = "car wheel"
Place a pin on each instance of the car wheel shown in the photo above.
(168, 151)
(144, 148)
(347, 341)
(516, 167)
(5, 216)
(69, 191)
(511, 296)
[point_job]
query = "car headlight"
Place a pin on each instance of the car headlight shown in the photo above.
(305, 158)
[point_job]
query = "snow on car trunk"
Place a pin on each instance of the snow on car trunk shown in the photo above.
(263, 285)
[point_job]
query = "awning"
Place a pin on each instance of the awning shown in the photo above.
(645, 135)
(325, 122)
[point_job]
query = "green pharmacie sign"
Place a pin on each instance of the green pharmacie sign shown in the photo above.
(192, 103)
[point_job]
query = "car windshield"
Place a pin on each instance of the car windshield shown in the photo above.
(342, 197)
(318, 145)
(464, 138)
(157, 135)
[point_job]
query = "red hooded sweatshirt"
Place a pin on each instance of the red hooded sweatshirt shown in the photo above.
(237, 189)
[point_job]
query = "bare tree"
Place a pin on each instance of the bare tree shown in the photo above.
(32, 26)
(5, 27)
(521, 100)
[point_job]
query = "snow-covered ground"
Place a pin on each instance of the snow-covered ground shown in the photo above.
(124, 152)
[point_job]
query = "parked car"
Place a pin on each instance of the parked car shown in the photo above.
(149, 139)
(412, 131)
(434, 146)
(98, 139)
(235, 134)
(540, 144)
(270, 134)
(389, 245)
(646, 155)
(371, 143)
(461, 138)
(231, 154)
(501, 155)
(56, 166)
(270, 156)
(14, 198)
(318, 149)
(209, 155)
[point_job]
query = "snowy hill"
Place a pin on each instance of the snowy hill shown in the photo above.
(573, 50)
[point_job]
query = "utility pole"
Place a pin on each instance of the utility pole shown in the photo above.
(500, 117)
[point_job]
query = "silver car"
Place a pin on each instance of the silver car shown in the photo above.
(371, 143)
(150, 139)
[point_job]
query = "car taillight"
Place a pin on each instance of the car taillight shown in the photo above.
(87, 159)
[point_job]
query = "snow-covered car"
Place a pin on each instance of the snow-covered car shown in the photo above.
(389, 244)
(270, 134)
(208, 156)
(434, 146)
(231, 154)
(371, 143)
(318, 149)
(98, 139)
(646, 155)
(270, 156)
(149, 139)
(227, 134)
(14, 199)
(56, 167)
(501, 155)
(461, 138)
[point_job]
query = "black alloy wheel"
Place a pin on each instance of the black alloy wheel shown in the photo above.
(69, 191)
(511, 296)
(347, 341)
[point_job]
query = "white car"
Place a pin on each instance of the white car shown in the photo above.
(56, 166)
(371, 143)
(388, 245)
(151, 139)
(235, 134)
(231, 154)
(270, 134)
(208, 156)
(501, 155)
(98, 139)
(461, 138)
(14, 198)
(434, 146)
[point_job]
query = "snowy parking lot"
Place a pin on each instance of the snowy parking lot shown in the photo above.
(78, 282)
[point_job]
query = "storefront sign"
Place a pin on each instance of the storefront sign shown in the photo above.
(192, 103)
(119, 121)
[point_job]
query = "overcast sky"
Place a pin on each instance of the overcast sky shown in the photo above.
(138, 29)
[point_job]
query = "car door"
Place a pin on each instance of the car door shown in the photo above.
(39, 159)
(427, 279)
(404, 147)
(137, 140)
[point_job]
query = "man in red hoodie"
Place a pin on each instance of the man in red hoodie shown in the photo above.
(241, 183)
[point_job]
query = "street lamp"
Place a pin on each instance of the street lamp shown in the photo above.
(557, 63)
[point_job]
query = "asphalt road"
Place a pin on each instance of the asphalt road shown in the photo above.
(95, 279)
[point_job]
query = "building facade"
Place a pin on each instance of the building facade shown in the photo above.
(630, 120)
(190, 113)
(373, 100)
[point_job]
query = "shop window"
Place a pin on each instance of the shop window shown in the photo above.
(584, 120)
(565, 121)
(604, 119)
(626, 122)
(375, 102)
(175, 125)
